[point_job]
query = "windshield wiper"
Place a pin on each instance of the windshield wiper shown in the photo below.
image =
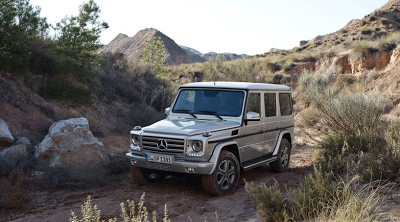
(211, 113)
(185, 111)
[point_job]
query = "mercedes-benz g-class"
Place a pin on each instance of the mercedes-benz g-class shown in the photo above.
(217, 130)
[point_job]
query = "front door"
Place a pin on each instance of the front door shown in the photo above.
(252, 136)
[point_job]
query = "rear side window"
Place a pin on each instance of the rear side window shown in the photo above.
(270, 104)
(285, 104)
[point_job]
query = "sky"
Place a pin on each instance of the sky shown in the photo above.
(237, 26)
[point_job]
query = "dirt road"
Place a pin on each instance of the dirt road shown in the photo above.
(184, 196)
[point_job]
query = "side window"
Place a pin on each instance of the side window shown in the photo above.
(270, 104)
(253, 103)
(285, 104)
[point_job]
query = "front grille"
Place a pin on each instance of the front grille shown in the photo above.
(172, 145)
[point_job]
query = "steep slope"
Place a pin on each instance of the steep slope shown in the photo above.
(131, 47)
(381, 22)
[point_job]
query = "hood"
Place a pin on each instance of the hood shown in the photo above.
(188, 127)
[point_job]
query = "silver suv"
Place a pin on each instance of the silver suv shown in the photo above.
(217, 130)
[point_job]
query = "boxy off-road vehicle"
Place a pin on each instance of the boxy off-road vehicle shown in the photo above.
(217, 130)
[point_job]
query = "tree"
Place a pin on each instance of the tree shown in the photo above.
(20, 26)
(153, 53)
(78, 37)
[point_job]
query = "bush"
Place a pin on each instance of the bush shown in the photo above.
(13, 194)
(143, 115)
(389, 42)
(363, 49)
(132, 212)
(73, 177)
(383, 162)
(16, 163)
(64, 90)
(319, 197)
(366, 31)
(270, 201)
(274, 67)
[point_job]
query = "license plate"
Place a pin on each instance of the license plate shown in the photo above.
(158, 158)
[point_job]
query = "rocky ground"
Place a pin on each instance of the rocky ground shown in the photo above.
(184, 196)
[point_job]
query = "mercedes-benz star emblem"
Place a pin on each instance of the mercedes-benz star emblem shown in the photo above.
(162, 144)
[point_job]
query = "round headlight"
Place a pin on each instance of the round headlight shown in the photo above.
(197, 146)
(135, 140)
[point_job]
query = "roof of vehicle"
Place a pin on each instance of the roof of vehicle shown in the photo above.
(237, 85)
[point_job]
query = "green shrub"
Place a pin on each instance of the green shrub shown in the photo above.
(270, 201)
(143, 115)
(64, 90)
(383, 162)
(384, 21)
(366, 31)
(274, 67)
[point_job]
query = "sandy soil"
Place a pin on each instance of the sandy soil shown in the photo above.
(184, 196)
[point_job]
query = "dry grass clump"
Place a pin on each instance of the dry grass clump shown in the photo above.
(319, 197)
(130, 212)
(13, 193)
(357, 131)
(385, 43)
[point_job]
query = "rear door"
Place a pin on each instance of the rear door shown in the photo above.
(271, 121)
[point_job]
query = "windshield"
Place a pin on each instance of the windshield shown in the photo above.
(209, 102)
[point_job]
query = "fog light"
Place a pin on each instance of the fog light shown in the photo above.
(191, 169)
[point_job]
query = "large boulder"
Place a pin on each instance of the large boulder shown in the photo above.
(70, 143)
(5, 134)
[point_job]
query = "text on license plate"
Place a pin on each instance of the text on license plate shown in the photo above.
(158, 158)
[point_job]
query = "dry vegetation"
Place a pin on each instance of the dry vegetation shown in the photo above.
(358, 151)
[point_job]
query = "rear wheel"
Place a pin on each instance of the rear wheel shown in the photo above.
(225, 177)
(281, 164)
(143, 176)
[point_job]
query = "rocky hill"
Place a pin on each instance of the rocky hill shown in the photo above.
(379, 23)
(131, 47)
(202, 57)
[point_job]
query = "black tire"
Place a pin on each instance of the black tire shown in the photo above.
(281, 164)
(143, 177)
(225, 177)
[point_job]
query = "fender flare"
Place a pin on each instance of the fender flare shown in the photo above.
(278, 143)
(217, 150)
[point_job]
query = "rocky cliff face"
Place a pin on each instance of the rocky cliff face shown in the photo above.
(131, 47)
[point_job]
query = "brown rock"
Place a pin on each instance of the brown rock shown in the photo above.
(70, 143)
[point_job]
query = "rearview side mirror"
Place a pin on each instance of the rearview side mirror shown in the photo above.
(252, 116)
(166, 111)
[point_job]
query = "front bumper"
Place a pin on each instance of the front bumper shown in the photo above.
(176, 166)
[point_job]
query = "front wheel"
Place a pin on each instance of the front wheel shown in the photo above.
(281, 164)
(225, 177)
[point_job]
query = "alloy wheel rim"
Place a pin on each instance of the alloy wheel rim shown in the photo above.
(285, 156)
(226, 174)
